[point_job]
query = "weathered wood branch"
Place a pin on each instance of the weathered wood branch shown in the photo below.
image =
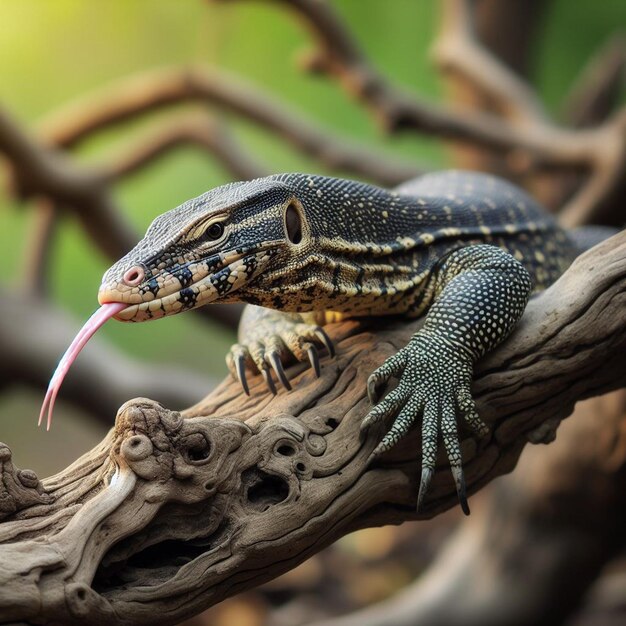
(537, 539)
(172, 513)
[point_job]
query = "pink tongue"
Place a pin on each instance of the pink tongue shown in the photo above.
(105, 312)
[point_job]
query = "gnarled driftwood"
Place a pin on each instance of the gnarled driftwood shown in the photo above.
(172, 513)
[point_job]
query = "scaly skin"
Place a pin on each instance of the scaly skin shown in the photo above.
(467, 248)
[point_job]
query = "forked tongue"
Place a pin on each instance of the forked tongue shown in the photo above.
(105, 312)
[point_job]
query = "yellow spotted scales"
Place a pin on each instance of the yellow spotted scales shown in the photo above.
(303, 250)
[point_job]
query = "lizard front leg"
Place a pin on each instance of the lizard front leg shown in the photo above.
(270, 339)
(480, 293)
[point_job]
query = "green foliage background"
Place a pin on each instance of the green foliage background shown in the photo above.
(52, 52)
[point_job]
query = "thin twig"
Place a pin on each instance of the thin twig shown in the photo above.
(41, 172)
(592, 99)
(457, 50)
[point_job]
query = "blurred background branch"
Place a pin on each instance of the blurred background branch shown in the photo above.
(522, 132)
(149, 92)
(34, 332)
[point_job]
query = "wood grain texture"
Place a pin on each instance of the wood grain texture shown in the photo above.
(173, 512)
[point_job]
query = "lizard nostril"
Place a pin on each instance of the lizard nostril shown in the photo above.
(133, 276)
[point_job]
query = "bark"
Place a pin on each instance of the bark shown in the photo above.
(536, 540)
(173, 512)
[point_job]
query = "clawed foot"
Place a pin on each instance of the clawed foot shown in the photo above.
(290, 342)
(434, 383)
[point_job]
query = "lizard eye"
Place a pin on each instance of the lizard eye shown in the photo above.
(214, 231)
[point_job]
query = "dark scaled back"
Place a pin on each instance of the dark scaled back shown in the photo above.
(367, 250)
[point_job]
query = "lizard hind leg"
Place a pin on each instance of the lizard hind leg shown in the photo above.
(269, 340)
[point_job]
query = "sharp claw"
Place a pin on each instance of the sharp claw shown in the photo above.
(371, 390)
(315, 360)
(320, 333)
(427, 475)
(267, 377)
(373, 417)
(365, 424)
(459, 480)
(280, 372)
(240, 367)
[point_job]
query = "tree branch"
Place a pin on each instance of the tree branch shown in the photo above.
(558, 517)
(595, 93)
(592, 99)
(42, 172)
(458, 51)
(530, 143)
(152, 91)
(510, 30)
(172, 513)
(37, 261)
(184, 129)
(496, 34)
(338, 56)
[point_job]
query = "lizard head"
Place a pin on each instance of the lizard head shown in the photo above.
(209, 249)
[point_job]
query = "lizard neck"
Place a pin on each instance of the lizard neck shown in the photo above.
(373, 260)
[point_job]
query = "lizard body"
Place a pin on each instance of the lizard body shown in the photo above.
(363, 250)
(466, 248)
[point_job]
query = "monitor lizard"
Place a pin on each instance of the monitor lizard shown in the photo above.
(466, 249)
